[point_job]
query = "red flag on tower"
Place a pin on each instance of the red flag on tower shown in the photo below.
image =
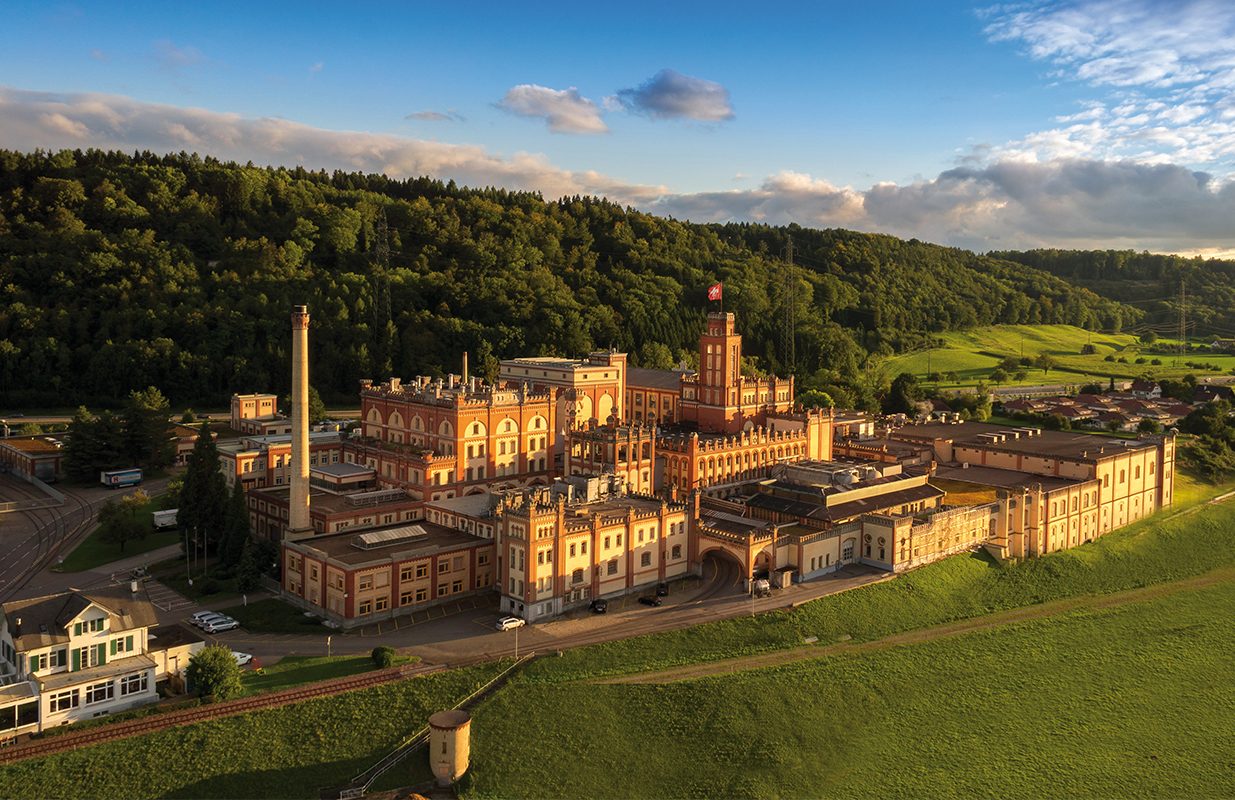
(714, 291)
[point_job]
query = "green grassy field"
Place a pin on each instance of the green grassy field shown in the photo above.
(271, 615)
(94, 552)
(1134, 701)
(297, 670)
(973, 354)
(293, 751)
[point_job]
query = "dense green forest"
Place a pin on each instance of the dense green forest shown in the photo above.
(121, 271)
(1150, 282)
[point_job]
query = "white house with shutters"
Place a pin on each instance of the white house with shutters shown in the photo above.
(74, 656)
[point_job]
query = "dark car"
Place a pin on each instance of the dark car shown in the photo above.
(599, 606)
(650, 600)
(662, 590)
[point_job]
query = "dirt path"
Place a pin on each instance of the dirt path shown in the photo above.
(957, 628)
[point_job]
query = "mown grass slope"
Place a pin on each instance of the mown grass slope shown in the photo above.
(1132, 701)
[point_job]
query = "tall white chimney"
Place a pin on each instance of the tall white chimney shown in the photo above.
(298, 521)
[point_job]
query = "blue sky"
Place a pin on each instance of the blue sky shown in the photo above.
(1080, 123)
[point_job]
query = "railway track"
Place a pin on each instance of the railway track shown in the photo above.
(37, 748)
(56, 530)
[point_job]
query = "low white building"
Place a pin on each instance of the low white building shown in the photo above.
(75, 656)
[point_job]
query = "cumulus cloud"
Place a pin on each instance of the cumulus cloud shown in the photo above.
(565, 110)
(993, 204)
(31, 120)
(672, 95)
(449, 115)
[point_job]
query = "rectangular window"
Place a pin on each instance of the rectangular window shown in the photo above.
(646, 559)
(63, 701)
(677, 551)
(381, 604)
(457, 586)
(99, 692)
(38, 662)
(422, 570)
(366, 582)
(612, 567)
(405, 574)
(405, 598)
(606, 542)
(482, 559)
(583, 548)
(133, 684)
(443, 567)
(422, 595)
(441, 590)
(366, 607)
(619, 540)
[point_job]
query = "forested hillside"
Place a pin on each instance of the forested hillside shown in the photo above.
(123, 271)
(1150, 282)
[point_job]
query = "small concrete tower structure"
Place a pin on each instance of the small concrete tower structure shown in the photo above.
(298, 520)
(449, 745)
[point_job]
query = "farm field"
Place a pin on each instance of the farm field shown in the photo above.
(1130, 701)
(973, 354)
(293, 751)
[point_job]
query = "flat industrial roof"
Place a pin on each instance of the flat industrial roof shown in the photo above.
(342, 469)
(469, 505)
(841, 511)
(341, 546)
(1048, 443)
(36, 444)
(330, 502)
(667, 379)
(1002, 478)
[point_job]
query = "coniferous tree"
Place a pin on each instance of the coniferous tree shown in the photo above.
(236, 527)
(203, 498)
(148, 429)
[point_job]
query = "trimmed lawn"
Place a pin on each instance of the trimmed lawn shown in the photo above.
(271, 615)
(292, 751)
(297, 670)
(1132, 702)
(94, 552)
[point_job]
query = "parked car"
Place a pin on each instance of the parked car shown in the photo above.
(509, 623)
(662, 590)
(202, 617)
(220, 625)
(242, 658)
(650, 600)
(599, 605)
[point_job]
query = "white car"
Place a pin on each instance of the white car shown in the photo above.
(206, 619)
(509, 623)
(242, 658)
(199, 616)
(220, 625)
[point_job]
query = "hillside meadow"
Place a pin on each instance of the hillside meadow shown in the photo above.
(973, 354)
(1132, 701)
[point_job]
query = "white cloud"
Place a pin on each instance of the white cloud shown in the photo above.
(992, 204)
(1166, 72)
(30, 120)
(316, 67)
(565, 110)
(173, 57)
(450, 115)
(672, 95)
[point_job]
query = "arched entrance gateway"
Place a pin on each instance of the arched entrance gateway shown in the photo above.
(749, 544)
(723, 574)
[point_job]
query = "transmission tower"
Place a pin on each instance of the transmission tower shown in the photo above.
(1183, 319)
